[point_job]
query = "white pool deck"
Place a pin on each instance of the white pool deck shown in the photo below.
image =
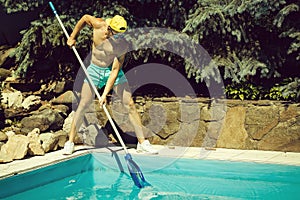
(272, 157)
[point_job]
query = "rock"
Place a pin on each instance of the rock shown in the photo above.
(5, 51)
(68, 122)
(260, 120)
(4, 73)
(185, 136)
(201, 137)
(10, 133)
(95, 135)
(212, 133)
(79, 139)
(233, 133)
(92, 134)
(35, 131)
(284, 136)
(31, 101)
(1, 144)
(67, 126)
(28, 123)
(47, 119)
(61, 137)
(3, 136)
(11, 113)
(215, 112)
(5, 158)
(2, 118)
(43, 107)
(205, 114)
(163, 120)
(59, 87)
(12, 99)
(66, 98)
(15, 148)
(63, 109)
(49, 141)
(35, 147)
(190, 112)
(293, 146)
(292, 112)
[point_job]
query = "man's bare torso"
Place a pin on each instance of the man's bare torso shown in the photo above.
(102, 50)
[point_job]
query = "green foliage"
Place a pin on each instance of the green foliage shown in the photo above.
(289, 30)
(249, 40)
(288, 89)
(275, 94)
(227, 29)
(19, 5)
(243, 91)
(295, 45)
(240, 70)
(42, 34)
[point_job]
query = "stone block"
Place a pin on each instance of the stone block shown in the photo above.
(15, 148)
(233, 133)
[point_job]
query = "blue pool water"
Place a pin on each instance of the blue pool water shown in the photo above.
(98, 176)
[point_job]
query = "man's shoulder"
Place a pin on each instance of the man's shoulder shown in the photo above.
(98, 22)
(100, 19)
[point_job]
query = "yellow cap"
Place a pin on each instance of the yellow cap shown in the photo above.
(117, 23)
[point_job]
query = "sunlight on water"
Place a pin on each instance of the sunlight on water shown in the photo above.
(184, 179)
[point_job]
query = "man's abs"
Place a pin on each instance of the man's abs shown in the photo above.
(102, 57)
(102, 49)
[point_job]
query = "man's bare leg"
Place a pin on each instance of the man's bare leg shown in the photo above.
(144, 145)
(86, 97)
(134, 117)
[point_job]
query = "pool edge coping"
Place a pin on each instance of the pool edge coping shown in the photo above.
(257, 156)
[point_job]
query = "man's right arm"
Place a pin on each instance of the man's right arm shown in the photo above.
(85, 19)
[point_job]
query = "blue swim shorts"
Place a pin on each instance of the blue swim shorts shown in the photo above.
(99, 75)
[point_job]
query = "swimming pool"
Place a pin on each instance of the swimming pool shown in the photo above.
(98, 176)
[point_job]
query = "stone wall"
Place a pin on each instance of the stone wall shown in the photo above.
(260, 125)
(38, 127)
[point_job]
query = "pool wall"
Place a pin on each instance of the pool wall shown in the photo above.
(44, 175)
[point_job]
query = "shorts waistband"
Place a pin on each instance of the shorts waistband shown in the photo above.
(101, 68)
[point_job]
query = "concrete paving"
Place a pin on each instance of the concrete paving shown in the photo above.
(272, 157)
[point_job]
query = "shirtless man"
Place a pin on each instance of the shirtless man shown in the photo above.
(105, 70)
